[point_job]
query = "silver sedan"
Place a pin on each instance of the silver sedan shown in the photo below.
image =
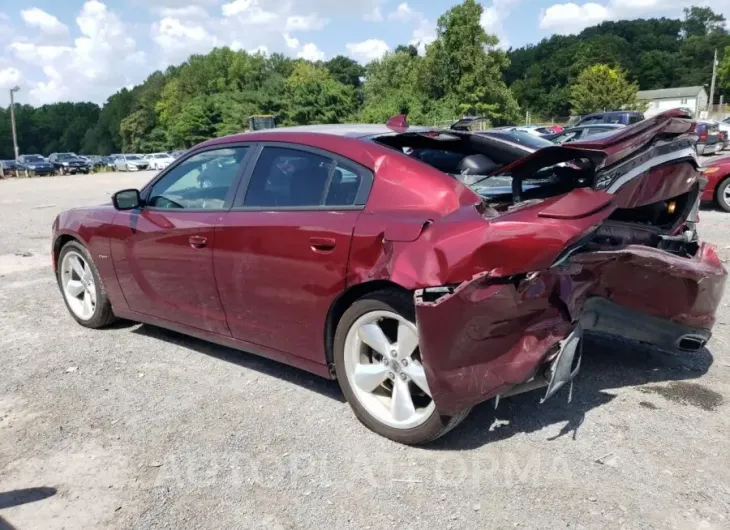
(130, 163)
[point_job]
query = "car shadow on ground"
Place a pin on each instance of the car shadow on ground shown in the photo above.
(262, 365)
(608, 364)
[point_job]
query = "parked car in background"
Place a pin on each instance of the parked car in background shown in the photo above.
(69, 163)
(36, 165)
(724, 129)
(11, 168)
(130, 163)
(96, 161)
(708, 139)
(717, 191)
(621, 117)
(359, 252)
(537, 130)
(177, 154)
(576, 134)
(110, 160)
(531, 142)
(159, 161)
(723, 139)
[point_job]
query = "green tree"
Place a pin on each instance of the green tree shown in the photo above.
(345, 70)
(601, 87)
(464, 68)
(410, 49)
(193, 124)
(315, 97)
(701, 21)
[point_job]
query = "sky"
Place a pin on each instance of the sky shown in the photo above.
(85, 50)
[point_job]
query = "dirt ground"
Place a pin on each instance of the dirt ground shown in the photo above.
(138, 427)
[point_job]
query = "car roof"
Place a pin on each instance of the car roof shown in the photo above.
(612, 112)
(351, 130)
(600, 126)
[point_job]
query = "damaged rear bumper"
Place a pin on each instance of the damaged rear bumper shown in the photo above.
(603, 316)
(492, 334)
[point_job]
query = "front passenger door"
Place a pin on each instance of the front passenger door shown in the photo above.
(163, 252)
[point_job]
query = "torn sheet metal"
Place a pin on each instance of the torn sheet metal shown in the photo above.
(494, 332)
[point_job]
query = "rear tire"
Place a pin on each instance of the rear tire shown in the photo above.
(722, 195)
(359, 367)
(82, 288)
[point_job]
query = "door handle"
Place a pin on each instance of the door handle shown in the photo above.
(198, 241)
(322, 244)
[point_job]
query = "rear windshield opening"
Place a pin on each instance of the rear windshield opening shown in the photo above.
(476, 161)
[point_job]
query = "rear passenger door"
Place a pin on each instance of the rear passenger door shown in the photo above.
(281, 253)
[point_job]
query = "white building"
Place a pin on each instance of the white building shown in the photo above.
(693, 98)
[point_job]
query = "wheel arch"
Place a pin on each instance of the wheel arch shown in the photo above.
(342, 303)
(59, 243)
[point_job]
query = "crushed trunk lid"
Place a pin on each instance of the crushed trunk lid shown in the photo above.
(660, 151)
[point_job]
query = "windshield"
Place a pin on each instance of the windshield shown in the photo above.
(34, 158)
(134, 157)
(66, 156)
(162, 155)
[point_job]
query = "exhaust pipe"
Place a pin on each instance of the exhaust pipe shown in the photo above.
(691, 343)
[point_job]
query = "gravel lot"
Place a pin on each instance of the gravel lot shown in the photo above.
(139, 427)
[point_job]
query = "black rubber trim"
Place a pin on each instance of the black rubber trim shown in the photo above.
(603, 316)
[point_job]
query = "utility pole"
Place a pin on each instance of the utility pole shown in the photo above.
(714, 77)
(12, 120)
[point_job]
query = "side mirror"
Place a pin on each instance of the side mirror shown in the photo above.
(127, 200)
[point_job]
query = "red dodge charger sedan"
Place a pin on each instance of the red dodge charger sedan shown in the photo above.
(426, 270)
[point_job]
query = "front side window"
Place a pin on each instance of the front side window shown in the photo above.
(290, 178)
(202, 181)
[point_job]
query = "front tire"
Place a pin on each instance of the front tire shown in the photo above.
(378, 366)
(82, 288)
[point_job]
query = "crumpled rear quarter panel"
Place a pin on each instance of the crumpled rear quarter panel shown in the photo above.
(491, 334)
(484, 338)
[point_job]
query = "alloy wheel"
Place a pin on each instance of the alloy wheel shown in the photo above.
(78, 285)
(384, 369)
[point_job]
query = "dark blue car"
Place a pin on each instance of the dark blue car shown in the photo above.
(620, 117)
(36, 165)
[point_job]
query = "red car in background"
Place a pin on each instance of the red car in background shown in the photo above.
(426, 270)
(717, 190)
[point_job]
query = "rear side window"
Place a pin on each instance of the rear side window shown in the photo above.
(293, 178)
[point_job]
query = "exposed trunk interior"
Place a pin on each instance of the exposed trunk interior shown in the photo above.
(654, 181)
